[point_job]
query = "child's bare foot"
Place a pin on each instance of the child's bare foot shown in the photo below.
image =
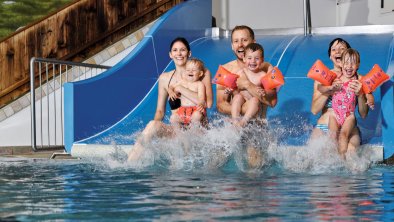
(239, 123)
(242, 122)
(236, 122)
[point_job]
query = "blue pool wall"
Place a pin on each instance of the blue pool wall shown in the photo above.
(293, 54)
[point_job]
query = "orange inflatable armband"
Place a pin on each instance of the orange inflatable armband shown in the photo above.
(321, 73)
(373, 79)
(225, 78)
(272, 79)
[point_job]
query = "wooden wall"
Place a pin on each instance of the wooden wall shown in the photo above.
(75, 33)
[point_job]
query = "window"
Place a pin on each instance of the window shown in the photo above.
(386, 6)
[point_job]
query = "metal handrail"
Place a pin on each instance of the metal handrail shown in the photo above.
(307, 18)
(54, 81)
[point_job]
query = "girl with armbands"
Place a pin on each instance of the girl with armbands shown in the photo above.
(322, 95)
(342, 120)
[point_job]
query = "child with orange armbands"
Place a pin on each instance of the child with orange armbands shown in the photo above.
(253, 59)
(192, 110)
(322, 97)
(348, 88)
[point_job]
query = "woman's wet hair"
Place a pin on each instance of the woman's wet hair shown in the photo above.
(180, 39)
(340, 40)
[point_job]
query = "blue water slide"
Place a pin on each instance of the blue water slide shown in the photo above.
(95, 105)
(387, 109)
(108, 109)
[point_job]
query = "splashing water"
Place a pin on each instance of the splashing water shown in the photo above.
(201, 149)
(196, 148)
(318, 156)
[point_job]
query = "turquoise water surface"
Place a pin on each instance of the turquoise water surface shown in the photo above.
(304, 184)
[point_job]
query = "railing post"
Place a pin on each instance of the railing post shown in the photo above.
(307, 18)
(33, 105)
(52, 117)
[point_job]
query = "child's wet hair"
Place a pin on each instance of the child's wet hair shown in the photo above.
(352, 53)
(255, 47)
(243, 27)
(180, 39)
(198, 62)
(340, 40)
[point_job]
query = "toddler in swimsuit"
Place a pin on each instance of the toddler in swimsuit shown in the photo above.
(192, 110)
(254, 57)
(344, 101)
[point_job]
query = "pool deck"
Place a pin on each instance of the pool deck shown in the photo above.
(40, 153)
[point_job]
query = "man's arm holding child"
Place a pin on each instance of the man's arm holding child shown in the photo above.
(267, 97)
(270, 98)
(222, 100)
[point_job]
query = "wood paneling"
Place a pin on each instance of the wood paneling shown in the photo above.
(73, 33)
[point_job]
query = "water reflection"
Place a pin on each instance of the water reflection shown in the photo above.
(76, 190)
(345, 197)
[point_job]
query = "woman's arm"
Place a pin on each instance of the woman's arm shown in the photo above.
(319, 99)
(321, 94)
(201, 94)
(190, 95)
(363, 108)
(187, 93)
(161, 99)
(208, 88)
(198, 98)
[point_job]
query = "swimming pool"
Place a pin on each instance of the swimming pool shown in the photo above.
(308, 184)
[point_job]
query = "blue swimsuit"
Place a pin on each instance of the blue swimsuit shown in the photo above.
(324, 127)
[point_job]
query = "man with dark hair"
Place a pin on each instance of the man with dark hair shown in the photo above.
(241, 36)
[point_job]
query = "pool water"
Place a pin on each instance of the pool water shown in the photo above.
(208, 181)
(108, 190)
